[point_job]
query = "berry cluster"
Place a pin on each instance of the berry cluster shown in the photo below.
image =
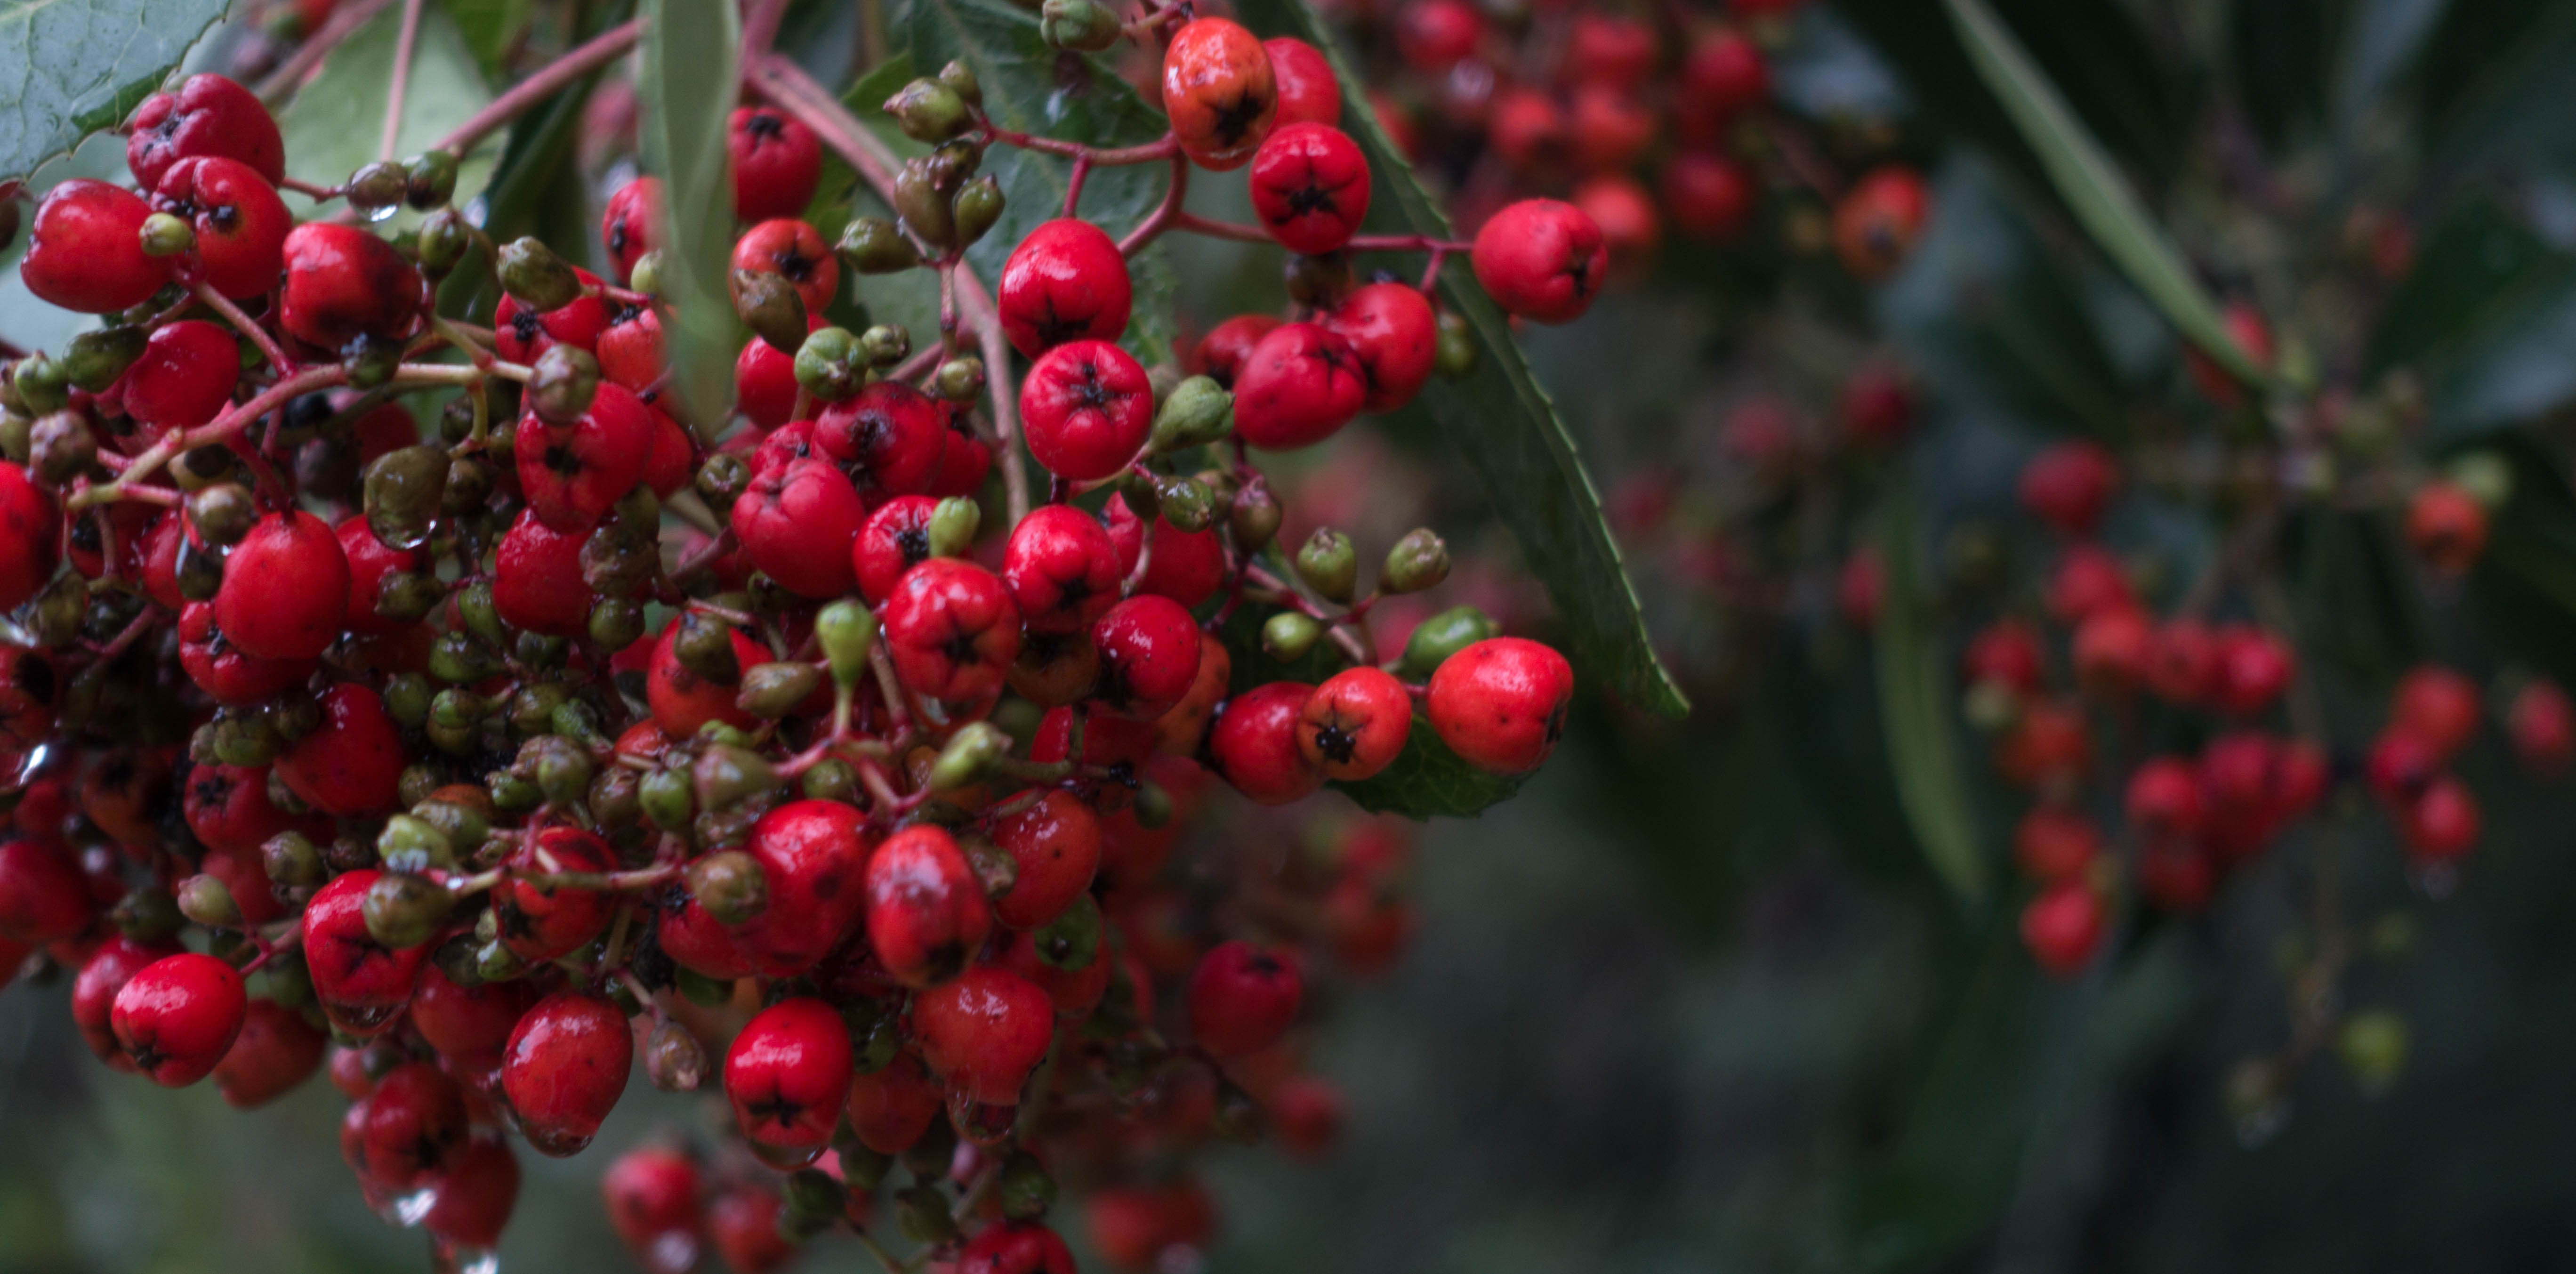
(575, 731)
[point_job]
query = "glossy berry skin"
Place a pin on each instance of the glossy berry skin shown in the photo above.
(573, 474)
(1308, 91)
(344, 284)
(964, 461)
(2068, 485)
(1066, 281)
(94, 993)
(1355, 724)
(1709, 196)
(240, 223)
(467, 1023)
(85, 250)
(1300, 385)
(1501, 703)
(370, 564)
(415, 1121)
(2447, 527)
(521, 333)
(890, 1108)
(351, 766)
(651, 1194)
(982, 1032)
(564, 1069)
(1879, 220)
(764, 379)
(1310, 187)
(927, 915)
(1086, 409)
(276, 1051)
(1242, 998)
(285, 588)
(2436, 705)
(536, 579)
(475, 1195)
(176, 1017)
(228, 674)
(777, 163)
(682, 700)
(1056, 845)
(1220, 92)
(1076, 992)
(1397, 337)
(1061, 569)
(794, 250)
(1542, 260)
(1254, 744)
(894, 539)
(889, 438)
(208, 115)
(631, 351)
(361, 983)
(541, 922)
(30, 537)
(631, 224)
(2063, 927)
(952, 631)
(796, 524)
(228, 810)
(1015, 1247)
(814, 857)
(1223, 351)
(184, 376)
(788, 1074)
(1149, 656)
(1188, 566)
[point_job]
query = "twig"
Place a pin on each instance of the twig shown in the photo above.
(316, 47)
(604, 48)
(268, 346)
(403, 45)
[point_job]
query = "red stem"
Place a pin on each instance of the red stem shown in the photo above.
(604, 48)
(1110, 157)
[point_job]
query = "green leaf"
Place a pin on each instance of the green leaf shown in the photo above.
(1502, 422)
(490, 28)
(1430, 781)
(69, 68)
(2478, 272)
(2093, 189)
(1916, 695)
(686, 89)
(1031, 88)
(336, 122)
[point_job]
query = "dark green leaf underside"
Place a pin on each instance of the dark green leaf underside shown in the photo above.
(1916, 696)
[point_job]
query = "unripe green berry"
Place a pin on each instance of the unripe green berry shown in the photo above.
(531, 272)
(730, 885)
(953, 524)
(1418, 561)
(847, 631)
(874, 245)
(770, 691)
(969, 754)
(829, 365)
(771, 307)
(1435, 639)
(164, 235)
(1080, 25)
(403, 910)
(563, 383)
(1329, 565)
(1197, 412)
(1288, 635)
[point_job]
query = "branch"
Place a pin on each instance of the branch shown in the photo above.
(604, 48)
(403, 46)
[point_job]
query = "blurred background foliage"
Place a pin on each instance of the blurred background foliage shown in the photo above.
(1695, 1001)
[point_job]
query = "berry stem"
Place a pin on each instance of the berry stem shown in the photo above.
(404, 43)
(604, 48)
(1105, 157)
(1152, 227)
(221, 304)
(221, 428)
(315, 191)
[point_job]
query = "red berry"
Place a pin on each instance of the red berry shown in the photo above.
(1614, 50)
(1075, 992)
(796, 524)
(764, 379)
(813, 857)
(795, 251)
(983, 1031)
(894, 539)
(652, 1198)
(1065, 282)
(1709, 196)
(370, 564)
(573, 474)
(415, 1120)
(1528, 129)
(2543, 726)
(1106, 740)
(1223, 351)
(788, 1074)
(361, 983)
(537, 581)
(1187, 566)
(630, 352)
(343, 285)
(682, 700)
(30, 532)
(2251, 336)
(467, 1023)
(94, 993)
(275, 1053)
(777, 163)
(1015, 1247)
(632, 225)
(1300, 385)
(521, 333)
(2447, 527)
(240, 223)
(350, 766)
(1061, 569)
(564, 1069)
(964, 460)
(2068, 485)
(1306, 1114)
(2254, 667)
(1310, 187)
(1542, 260)
(2184, 670)
(2113, 651)
(228, 674)
(1243, 998)
(1308, 91)
(1434, 35)
(85, 251)
(541, 922)
(1355, 724)
(1220, 92)
(1879, 220)
(285, 589)
(889, 438)
(2164, 799)
(1861, 588)
(889, 1109)
(228, 809)
(1056, 845)
(744, 1225)
(2300, 777)
(1149, 656)
(1254, 744)
(2436, 705)
(1610, 128)
(474, 1196)
(1086, 409)
(176, 1017)
(1392, 329)
(2053, 844)
(2442, 825)
(2063, 928)
(207, 115)
(2088, 581)
(952, 631)
(1723, 75)
(927, 914)
(1501, 703)
(1877, 405)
